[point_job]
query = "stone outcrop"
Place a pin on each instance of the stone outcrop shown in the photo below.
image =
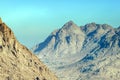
(17, 62)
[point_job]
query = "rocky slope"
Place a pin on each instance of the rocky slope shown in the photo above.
(90, 52)
(17, 62)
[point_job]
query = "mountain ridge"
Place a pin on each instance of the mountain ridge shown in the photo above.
(82, 53)
(66, 31)
(17, 62)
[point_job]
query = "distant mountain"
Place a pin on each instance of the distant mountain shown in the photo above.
(17, 62)
(90, 52)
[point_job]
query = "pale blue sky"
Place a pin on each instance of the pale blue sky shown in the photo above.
(33, 20)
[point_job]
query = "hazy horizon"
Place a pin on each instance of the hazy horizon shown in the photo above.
(33, 21)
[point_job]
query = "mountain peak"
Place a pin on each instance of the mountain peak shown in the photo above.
(7, 32)
(82, 50)
(70, 24)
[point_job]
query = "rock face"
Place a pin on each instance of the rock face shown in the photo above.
(17, 62)
(0, 21)
(90, 52)
(62, 43)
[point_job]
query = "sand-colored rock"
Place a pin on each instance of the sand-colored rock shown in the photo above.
(17, 62)
(0, 21)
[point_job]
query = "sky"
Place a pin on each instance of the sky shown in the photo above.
(33, 20)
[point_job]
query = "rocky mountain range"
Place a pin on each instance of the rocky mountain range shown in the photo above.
(89, 52)
(17, 62)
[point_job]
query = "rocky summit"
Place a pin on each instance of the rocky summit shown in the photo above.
(89, 52)
(17, 62)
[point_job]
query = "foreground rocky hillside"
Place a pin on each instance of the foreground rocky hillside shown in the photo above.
(90, 52)
(17, 62)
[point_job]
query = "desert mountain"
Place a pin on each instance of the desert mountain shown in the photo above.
(64, 42)
(17, 62)
(89, 52)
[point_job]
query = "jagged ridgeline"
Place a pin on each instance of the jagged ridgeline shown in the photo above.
(89, 52)
(17, 62)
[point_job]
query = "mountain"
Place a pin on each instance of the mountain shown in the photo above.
(89, 52)
(17, 62)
